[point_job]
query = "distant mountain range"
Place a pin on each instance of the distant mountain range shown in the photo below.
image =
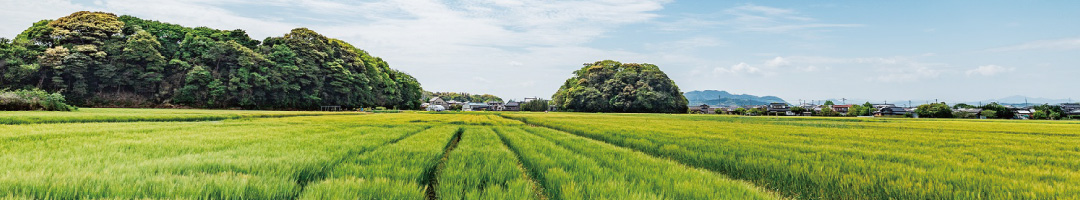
(1017, 99)
(724, 99)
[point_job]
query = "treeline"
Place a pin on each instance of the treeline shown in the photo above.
(99, 59)
(461, 97)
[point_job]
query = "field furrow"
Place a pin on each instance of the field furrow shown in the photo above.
(481, 167)
(593, 170)
(397, 171)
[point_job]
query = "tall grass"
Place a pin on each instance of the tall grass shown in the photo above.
(572, 167)
(854, 159)
(253, 159)
(401, 170)
(481, 167)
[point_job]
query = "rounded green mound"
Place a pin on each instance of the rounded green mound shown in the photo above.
(610, 86)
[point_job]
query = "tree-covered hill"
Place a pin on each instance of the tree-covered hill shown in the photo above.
(99, 59)
(610, 86)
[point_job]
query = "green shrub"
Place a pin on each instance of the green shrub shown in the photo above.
(33, 100)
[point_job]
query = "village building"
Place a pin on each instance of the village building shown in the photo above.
(842, 109)
(1022, 113)
(778, 109)
(512, 106)
(437, 101)
(974, 112)
(702, 109)
(495, 105)
(468, 106)
(892, 111)
(1071, 109)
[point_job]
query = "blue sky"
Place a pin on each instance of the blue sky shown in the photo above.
(872, 50)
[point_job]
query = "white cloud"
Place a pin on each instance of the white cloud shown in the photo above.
(777, 62)
(909, 72)
(737, 69)
(689, 44)
(754, 18)
(1057, 44)
(988, 70)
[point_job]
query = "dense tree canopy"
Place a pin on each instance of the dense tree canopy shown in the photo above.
(99, 59)
(610, 86)
(462, 97)
(934, 110)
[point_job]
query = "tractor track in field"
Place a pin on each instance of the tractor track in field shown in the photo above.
(538, 183)
(525, 121)
(432, 176)
(322, 174)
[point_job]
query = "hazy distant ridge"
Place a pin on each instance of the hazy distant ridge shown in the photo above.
(723, 98)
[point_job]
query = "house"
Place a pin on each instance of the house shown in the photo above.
(842, 109)
(512, 106)
(437, 101)
(975, 112)
(702, 109)
(467, 106)
(1071, 109)
(778, 109)
(1070, 106)
(495, 105)
(1022, 113)
(892, 111)
(452, 102)
(883, 105)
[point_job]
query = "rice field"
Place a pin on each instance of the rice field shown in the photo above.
(214, 154)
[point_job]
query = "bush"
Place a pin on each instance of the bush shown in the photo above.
(33, 100)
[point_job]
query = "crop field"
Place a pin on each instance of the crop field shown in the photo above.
(212, 154)
(853, 158)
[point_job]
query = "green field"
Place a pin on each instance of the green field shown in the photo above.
(212, 154)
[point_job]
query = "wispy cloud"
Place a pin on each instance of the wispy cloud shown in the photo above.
(988, 70)
(737, 69)
(1056, 44)
(755, 18)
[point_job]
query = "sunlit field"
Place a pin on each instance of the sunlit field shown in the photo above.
(209, 154)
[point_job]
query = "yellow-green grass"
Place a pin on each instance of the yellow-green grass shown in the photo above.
(573, 167)
(401, 170)
(86, 115)
(850, 158)
(251, 159)
(481, 167)
(413, 155)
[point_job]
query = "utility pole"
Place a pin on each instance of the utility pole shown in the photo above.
(845, 100)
